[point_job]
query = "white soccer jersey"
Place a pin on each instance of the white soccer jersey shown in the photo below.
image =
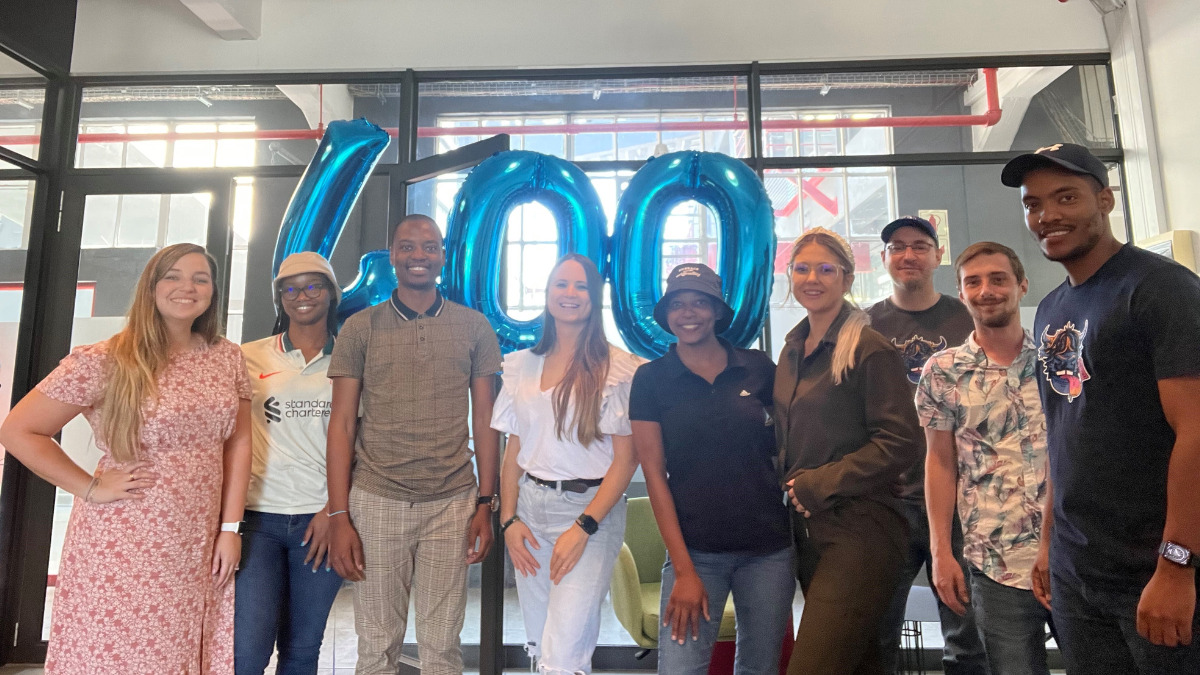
(290, 421)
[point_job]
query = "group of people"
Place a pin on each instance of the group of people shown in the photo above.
(1052, 482)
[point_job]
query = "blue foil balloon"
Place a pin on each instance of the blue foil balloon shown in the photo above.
(476, 227)
(747, 231)
(317, 212)
(375, 282)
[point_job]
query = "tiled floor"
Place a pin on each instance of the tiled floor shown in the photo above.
(339, 649)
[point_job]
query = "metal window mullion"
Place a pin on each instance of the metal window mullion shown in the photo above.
(164, 219)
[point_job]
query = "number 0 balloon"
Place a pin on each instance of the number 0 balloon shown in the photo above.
(747, 227)
(475, 231)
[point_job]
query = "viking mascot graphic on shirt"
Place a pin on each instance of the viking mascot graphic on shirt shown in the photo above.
(916, 350)
(1062, 359)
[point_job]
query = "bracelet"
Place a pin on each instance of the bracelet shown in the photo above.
(508, 523)
(335, 513)
(87, 496)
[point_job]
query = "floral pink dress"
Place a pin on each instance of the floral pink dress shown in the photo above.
(135, 592)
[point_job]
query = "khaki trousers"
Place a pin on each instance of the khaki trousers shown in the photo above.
(407, 544)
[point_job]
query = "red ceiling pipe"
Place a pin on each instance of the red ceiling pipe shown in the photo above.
(989, 118)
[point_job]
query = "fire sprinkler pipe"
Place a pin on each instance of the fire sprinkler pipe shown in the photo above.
(989, 118)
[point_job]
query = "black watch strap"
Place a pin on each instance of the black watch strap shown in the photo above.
(508, 523)
(588, 524)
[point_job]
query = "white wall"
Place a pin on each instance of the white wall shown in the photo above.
(138, 36)
(1171, 38)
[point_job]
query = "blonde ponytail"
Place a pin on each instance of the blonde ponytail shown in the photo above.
(847, 342)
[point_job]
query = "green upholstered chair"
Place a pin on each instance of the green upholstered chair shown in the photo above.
(637, 578)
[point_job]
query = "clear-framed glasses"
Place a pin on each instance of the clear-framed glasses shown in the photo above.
(313, 290)
(824, 270)
(920, 247)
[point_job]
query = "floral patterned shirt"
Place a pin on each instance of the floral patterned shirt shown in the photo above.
(1000, 432)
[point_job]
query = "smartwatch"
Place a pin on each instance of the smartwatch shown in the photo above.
(588, 524)
(1178, 554)
(236, 528)
(491, 500)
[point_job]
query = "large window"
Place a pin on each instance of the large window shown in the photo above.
(223, 125)
(588, 120)
(931, 111)
(15, 210)
(21, 117)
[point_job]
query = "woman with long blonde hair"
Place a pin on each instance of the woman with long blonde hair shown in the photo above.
(564, 405)
(847, 429)
(153, 538)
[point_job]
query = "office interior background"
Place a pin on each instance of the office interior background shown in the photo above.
(127, 125)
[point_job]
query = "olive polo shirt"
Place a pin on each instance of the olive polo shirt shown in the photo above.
(852, 439)
(415, 370)
(719, 449)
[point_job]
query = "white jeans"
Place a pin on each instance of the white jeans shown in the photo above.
(562, 622)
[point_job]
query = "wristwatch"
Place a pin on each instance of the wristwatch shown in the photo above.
(491, 500)
(236, 528)
(1177, 554)
(588, 524)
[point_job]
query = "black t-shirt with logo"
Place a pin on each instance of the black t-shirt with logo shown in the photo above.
(719, 448)
(1102, 348)
(918, 336)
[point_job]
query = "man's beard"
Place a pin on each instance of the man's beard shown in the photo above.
(1000, 320)
(914, 285)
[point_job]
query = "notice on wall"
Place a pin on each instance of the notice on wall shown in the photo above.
(941, 222)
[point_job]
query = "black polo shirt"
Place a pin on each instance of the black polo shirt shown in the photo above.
(719, 447)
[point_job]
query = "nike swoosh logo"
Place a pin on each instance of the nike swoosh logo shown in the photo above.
(263, 376)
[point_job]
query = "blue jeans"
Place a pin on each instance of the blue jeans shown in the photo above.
(763, 587)
(963, 653)
(562, 621)
(1097, 631)
(279, 599)
(1013, 624)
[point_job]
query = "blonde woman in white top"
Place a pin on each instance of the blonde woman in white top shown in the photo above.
(569, 459)
(285, 587)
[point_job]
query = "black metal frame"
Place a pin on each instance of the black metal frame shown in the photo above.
(26, 502)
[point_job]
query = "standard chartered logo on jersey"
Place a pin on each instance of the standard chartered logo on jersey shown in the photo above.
(276, 411)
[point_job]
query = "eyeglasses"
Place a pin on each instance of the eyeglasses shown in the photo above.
(824, 270)
(309, 291)
(920, 247)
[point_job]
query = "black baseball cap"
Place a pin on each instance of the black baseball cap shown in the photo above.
(1073, 158)
(694, 277)
(908, 221)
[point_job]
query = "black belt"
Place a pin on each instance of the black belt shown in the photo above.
(576, 485)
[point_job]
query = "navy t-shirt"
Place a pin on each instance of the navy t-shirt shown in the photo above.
(719, 448)
(1102, 348)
